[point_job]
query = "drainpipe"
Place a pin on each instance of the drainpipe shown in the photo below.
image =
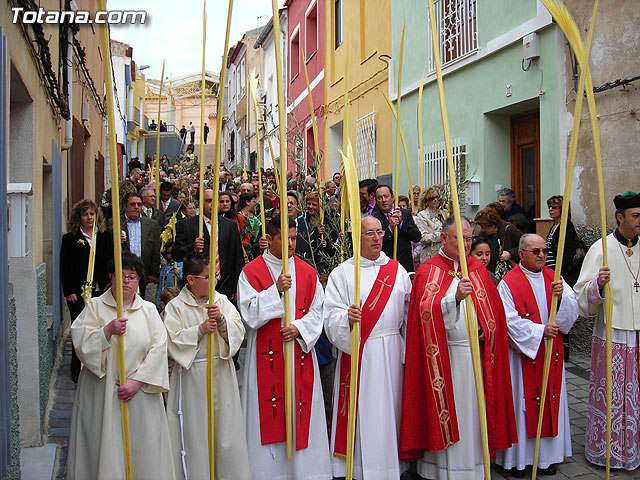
(68, 135)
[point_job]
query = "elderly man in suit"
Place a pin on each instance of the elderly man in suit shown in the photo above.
(141, 236)
(392, 218)
(149, 209)
(229, 245)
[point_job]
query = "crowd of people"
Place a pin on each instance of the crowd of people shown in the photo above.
(416, 391)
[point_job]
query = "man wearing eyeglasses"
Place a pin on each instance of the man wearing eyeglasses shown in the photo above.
(141, 236)
(385, 289)
(526, 292)
(440, 419)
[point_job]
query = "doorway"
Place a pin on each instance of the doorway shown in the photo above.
(525, 162)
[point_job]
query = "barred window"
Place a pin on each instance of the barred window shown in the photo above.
(366, 154)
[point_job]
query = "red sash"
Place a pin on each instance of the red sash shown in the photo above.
(270, 360)
(373, 308)
(527, 307)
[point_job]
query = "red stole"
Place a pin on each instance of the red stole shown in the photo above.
(527, 307)
(429, 420)
(371, 311)
(270, 360)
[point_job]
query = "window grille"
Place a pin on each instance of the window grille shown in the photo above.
(457, 29)
(366, 155)
(435, 166)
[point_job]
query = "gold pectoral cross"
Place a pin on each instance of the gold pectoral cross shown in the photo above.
(455, 274)
(373, 303)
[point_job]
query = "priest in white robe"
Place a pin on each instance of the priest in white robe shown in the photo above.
(623, 275)
(526, 293)
(95, 440)
(189, 321)
(260, 300)
(385, 290)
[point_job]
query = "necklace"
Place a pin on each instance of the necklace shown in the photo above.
(636, 285)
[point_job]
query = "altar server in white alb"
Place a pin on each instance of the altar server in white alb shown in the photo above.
(260, 299)
(385, 290)
(623, 274)
(95, 440)
(189, 320)
(526, 292)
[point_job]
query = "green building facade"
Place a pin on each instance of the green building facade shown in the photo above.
(505, 112)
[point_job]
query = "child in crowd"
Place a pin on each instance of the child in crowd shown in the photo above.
(170, 274)
(481, 250)
(166, 296)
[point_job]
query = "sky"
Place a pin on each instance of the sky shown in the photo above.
(173, 32)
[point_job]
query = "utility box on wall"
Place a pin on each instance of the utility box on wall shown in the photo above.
(18, 196)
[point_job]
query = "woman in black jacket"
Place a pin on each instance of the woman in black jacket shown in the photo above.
(74, 261)
(554, 204)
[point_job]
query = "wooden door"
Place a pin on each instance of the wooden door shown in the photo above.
(525, 162)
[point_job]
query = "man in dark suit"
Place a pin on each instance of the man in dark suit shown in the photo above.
(229, 245)
(149, 209)
(168, 204)
(141, 236)
(392, 218)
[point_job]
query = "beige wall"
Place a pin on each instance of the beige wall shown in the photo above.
(613, 55)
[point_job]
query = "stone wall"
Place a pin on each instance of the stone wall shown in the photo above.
(13, 472)
(46, 345)
(580, 337)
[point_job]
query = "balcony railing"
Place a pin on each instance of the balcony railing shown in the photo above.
(457, 27)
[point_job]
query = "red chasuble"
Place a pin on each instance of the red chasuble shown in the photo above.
(429, 421)
(270, 359)
(527, 307)
(372, 308)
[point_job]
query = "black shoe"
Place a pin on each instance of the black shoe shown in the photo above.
(550, 470)
(515, 473)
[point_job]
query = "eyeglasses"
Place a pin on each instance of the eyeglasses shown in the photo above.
(429, 199)
(373, 233)
(128, 278)
(203, 277)
(537, 251)
(465, 239)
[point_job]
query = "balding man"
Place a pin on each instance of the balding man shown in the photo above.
(246, 187)
(385, 289)
(440, 418)
(526, 292)
(230, 253)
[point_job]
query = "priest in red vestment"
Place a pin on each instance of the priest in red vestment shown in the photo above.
(440, 425)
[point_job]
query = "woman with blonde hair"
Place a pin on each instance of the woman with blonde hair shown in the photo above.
(429, 221)
(74, 260)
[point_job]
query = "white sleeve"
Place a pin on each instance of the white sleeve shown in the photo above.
(258, 308)
(336, 304)
(310, 325)
(569, 309)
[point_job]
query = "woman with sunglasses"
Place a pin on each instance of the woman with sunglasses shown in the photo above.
(95, 440)
(554, 204)
(429, 221)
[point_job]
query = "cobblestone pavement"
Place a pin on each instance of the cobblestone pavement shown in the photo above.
(576, 467)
